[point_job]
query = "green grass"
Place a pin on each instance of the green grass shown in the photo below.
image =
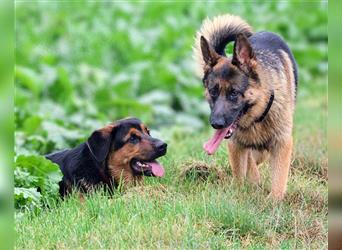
(171, 212)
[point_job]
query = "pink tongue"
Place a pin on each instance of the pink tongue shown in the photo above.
(157, 169)
(211, 146)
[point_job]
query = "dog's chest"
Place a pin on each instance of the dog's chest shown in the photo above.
(260, 136)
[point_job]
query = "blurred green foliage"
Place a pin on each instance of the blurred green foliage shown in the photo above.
(81, 65)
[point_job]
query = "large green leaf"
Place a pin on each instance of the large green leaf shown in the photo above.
(36, 165)
(40, 167)
(33, 173)
(26, 198)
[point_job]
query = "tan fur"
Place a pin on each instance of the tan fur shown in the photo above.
(289, 75)
(260, 156)
(119, 161)
(253, 174)
(107, 130)
(81, 198)
(275, 128)
(145, 129)
(238, 160)
(245, 162)
(280, 164)
(121, 171)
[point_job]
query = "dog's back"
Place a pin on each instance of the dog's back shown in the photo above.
(67, 159)
(75, 164)
(58, 157)
(273, 43)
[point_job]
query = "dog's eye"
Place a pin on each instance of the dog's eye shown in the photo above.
(134, 139)
(214, 91)
(233, 94)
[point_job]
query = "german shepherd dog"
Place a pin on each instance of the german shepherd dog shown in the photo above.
(122, 151)
(251, 95)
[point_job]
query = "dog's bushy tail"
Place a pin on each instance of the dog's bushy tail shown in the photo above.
(219, 31)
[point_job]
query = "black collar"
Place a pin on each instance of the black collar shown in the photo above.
(269, 104)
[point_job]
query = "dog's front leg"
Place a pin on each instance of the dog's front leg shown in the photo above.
(253, 174)
(238, 161)
(280, 164)
(255, 158)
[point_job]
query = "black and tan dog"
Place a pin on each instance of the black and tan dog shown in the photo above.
(122, 151)
(251, 95)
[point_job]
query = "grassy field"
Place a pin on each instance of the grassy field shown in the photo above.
(81, 65)
(182, 211)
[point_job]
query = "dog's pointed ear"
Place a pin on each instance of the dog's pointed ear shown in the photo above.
(243, 55)
(99, 142)
(210, 56)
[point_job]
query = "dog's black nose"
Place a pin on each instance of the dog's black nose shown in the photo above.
(161, 146)
(218, 123)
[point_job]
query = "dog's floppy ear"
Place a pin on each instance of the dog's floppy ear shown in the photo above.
(210, 56)
(243, 56)
(99, 142)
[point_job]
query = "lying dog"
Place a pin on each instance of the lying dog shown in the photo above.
(122, 151)
(251, 95)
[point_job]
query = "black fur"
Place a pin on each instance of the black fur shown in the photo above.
(220, 40)
(269, 41)
(260, 146)
(224, 73)
(77, 165)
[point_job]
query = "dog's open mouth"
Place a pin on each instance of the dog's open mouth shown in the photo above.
(225, 133)
(232, 128)
(148, 168)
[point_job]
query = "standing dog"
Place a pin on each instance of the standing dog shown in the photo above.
(251, 95)
(122, 151)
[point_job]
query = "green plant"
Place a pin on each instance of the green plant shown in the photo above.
(36, 182)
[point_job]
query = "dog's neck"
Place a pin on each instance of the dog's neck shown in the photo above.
(103, 170)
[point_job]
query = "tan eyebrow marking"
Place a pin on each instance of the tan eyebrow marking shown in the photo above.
(130, 132)
(144, 129)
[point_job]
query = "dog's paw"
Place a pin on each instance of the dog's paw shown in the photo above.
(276, 197)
